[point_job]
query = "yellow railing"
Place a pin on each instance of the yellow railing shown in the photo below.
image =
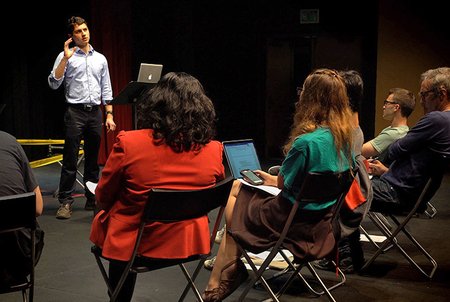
(50, 142)
(40, 142)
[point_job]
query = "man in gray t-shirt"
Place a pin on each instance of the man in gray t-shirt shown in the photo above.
(397, 107)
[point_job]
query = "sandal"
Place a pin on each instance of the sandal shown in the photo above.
(232, 276)
(211, 295)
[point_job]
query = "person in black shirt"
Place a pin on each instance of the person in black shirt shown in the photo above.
(16, 177)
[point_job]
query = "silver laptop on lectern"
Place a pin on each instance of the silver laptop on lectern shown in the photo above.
(149, 73)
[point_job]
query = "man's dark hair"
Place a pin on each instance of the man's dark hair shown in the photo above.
(72, 21)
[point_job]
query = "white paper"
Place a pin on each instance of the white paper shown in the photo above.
(91, 186)
(277, 257)
(269, 189)
(278, 261)
(375, 238)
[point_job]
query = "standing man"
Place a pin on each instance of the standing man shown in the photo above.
(87, 85)
(397, 108)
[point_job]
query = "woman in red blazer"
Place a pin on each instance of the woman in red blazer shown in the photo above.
(173, 149)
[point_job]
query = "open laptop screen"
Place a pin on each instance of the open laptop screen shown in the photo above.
(149, 73)
(240, 155)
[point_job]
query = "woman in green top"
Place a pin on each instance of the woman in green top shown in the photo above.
(320, 141)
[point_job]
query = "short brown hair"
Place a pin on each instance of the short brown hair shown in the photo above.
(72, 21)
(405, 98)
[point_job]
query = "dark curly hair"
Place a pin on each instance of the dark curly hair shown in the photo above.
(179, 112)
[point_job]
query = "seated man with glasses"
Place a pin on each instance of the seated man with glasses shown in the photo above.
(396, 108)
(418, 155)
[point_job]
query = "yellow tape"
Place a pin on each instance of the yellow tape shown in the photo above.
(49, 160)
(46, 161)
(37, 142)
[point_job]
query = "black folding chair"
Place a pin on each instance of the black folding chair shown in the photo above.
(317, 188)
(391, 231)
(429, 209)
(18, 212)
(168, 206)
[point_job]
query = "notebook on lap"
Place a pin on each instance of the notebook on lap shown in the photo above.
(240, 155)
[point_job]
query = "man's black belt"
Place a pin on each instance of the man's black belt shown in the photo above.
(85, 107)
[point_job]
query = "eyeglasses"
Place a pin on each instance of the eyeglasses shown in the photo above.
(387, 102)
(423, 94)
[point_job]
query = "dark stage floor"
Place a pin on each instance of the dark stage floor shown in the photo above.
(68, 272)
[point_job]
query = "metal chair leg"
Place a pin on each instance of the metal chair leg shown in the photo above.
(431, 211)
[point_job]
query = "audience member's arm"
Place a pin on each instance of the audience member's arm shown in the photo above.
(368, 150)
(280, 180)
(39, 201)
(427, 127)
(377, 168)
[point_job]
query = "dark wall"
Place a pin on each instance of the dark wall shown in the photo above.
(215, 42)
(222, 43)
(35, 36)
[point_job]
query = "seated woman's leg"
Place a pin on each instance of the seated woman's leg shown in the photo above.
(227, 262)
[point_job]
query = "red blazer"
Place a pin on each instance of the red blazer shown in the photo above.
(136, 165)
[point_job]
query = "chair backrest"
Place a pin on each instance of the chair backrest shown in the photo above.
(320, 187)
(18, 211)
(433, 184)
(165, 205)
(176, 205)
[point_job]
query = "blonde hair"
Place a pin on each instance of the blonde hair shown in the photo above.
(323, 101)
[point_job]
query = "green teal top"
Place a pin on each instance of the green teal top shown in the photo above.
(311, 152)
